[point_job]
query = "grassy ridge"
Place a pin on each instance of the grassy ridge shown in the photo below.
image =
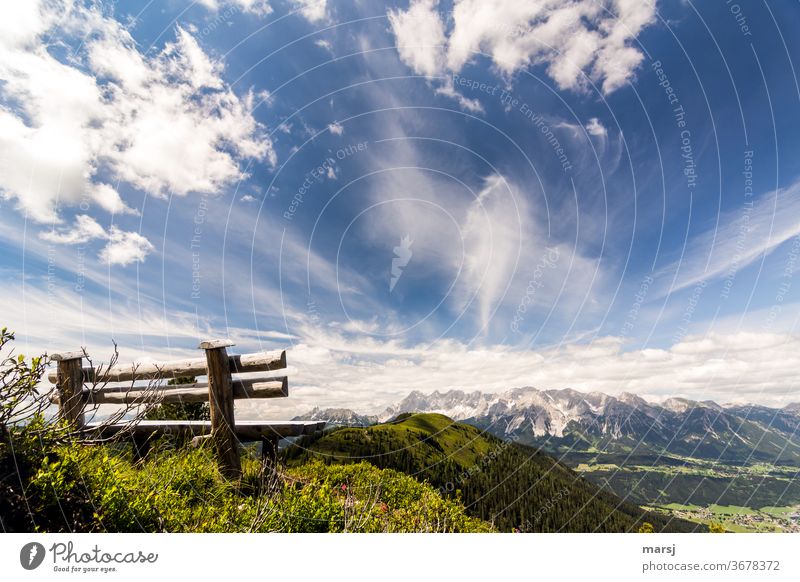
(510, 485)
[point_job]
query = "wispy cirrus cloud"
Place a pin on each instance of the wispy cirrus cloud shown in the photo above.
(743, 236)
(257, 7)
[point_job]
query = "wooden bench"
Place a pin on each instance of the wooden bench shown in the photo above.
(220, 390)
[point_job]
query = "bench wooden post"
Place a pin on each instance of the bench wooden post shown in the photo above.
(220, 400)
(69, 384)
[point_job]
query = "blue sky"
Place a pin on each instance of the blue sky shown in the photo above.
(476, 195)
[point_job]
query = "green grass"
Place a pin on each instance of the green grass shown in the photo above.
(429, 438)
(99, 488)
(510, 485)
(780, 511)
(681, 507)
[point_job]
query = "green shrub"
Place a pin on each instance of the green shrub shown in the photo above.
(179, 490)
(361, 497)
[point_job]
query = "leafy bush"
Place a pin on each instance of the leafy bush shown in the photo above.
(180, 491)
(23, 432)
(361, 497)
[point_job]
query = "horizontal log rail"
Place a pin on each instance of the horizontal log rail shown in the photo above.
(257, 362)
(182, 393)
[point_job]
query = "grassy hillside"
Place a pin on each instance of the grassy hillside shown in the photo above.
(74, 488)
(509, 485)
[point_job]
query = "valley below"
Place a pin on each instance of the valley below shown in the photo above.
(739, 497)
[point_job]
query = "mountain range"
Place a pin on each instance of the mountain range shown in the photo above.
(338, 417)
(571, 422)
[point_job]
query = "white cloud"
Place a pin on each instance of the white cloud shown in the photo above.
(186, 61)
(471, 105)
(122, 247)
(248, 198)
(312, 10)
(86, 228)
(257, 7)
(420, 37)
(336, 128)
(595, 128)
(324, 44)
(575, 40)
(162, 123)
(109, 199)
(338, 369)
(342, 366)
(492, 235)
(22, 23)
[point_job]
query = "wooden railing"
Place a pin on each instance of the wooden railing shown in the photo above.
(220, 390)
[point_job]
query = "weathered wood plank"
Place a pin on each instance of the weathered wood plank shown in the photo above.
(246, 430)
(259, 362)
(215, 343)
(238, 385)
(256, 362)
(184, 393)
(70, 387)
(220, 400)
(64, 356)
(274, 388)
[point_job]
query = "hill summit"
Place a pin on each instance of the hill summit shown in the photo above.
(510, 485)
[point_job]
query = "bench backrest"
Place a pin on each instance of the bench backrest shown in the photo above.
(117, 385)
